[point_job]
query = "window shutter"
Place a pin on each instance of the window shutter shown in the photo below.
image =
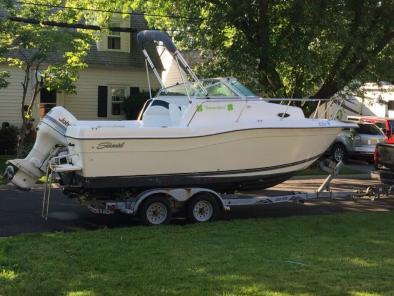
(134, 91)
(102, 101)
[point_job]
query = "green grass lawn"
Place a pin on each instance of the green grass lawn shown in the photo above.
(343, 254)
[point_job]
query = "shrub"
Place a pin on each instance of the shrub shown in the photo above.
(8, 139)
(132, 105)
(29, 143)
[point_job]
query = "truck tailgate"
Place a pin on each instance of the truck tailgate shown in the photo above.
(386, 155)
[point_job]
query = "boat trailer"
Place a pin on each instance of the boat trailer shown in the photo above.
(156, 206)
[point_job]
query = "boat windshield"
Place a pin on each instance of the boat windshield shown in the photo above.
(215, 88)
(242, 88)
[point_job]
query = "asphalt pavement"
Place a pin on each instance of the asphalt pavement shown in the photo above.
(20, 211)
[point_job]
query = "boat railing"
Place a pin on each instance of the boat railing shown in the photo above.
(334, 102)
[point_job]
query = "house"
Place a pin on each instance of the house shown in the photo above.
(172, 74)
(375, 99)
(116, 69)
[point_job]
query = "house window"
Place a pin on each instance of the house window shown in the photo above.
(113, 38)
(47, 101)
(391, 105)
(117, 96)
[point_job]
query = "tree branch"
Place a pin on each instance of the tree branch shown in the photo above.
(347, 48)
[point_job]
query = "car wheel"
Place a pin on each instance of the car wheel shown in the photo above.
(339, 153)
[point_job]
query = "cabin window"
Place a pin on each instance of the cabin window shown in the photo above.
(113, 39)
(391, 105)
(117, 96)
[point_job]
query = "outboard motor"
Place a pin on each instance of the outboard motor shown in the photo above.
(24, 173)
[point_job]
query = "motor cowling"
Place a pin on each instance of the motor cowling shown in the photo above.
(51, 131)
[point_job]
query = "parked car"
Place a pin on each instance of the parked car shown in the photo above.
(384, 123)
(357, 142)
(384, 163)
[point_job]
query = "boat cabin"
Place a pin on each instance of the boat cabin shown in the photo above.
(172, 103)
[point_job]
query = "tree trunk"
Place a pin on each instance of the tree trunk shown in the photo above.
(23, 130)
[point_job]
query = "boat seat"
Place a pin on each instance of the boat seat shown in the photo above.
(156, 115)
(176, 113)
(161, 113)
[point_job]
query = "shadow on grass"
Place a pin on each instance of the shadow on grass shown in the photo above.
(343, 254)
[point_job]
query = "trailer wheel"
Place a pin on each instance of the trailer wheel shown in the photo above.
(202, 208)
(155, 210)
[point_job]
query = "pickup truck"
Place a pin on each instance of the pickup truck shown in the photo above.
(384, 162)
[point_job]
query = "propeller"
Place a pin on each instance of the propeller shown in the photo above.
(9, 172)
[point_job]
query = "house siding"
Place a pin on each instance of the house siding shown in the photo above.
(170, 74)
(11, 97)
(84, 103)
(102, 45)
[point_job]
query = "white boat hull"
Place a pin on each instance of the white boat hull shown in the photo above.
(261, 156)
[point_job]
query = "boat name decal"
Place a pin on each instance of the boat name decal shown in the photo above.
(324, 123)
(64, 121)
(109, 145)
(228, 107)
(215, 107)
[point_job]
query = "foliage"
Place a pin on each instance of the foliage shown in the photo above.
(342, 254)
(9, 136)
(3, 81)
(49, 56)
(132, 105)
(52, 55)
(28, 143)
(294, 48)
(8, 139)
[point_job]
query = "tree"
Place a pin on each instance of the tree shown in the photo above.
(49, 56)
(3, 74)
(294, 48)
(3, 80)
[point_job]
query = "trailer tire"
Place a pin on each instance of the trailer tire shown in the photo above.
(202, 208)
(155, 210)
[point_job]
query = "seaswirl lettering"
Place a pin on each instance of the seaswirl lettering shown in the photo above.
(106, 145)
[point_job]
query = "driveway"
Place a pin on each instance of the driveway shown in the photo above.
(20, 212)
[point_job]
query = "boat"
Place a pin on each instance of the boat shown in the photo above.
(211, 133)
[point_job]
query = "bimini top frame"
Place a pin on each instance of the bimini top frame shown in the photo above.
(153, 35)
